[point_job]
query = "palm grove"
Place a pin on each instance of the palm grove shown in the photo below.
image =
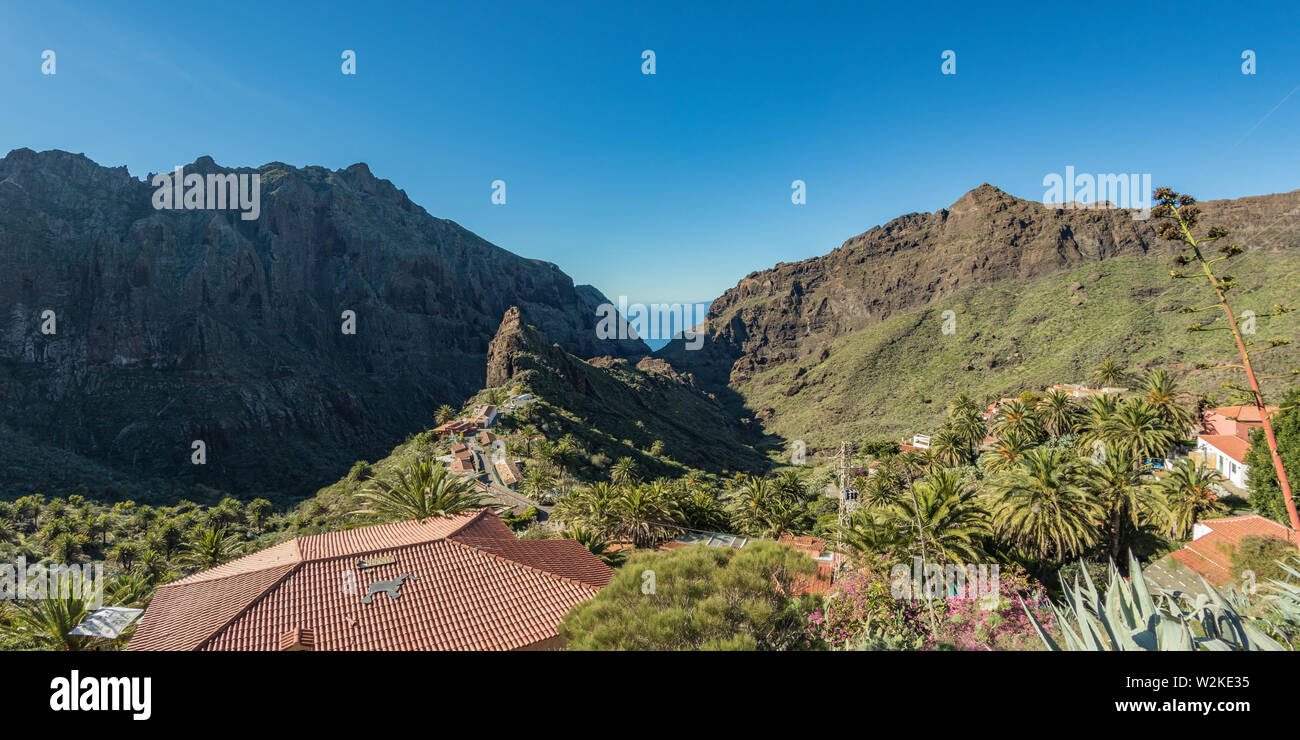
(1047, 485)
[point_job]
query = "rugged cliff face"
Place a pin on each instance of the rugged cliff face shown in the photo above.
(172, 326)
(795, 311)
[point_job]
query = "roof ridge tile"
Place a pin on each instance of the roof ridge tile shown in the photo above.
(512, 561)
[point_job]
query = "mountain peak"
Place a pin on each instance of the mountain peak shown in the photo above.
(985, 194)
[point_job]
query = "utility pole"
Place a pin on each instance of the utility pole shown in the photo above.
(848, 494)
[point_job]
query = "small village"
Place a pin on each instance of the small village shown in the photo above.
(502, 503)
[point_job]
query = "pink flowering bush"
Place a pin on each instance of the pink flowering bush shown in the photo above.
(969, 623)
(860, 612)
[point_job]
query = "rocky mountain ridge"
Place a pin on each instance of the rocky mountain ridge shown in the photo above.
(172, 326)
(796, 310)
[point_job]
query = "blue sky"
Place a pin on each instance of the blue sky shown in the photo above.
(669, 187)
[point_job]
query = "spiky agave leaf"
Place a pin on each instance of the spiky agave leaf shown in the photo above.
(1132, 619)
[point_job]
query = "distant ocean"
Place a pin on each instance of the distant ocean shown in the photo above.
(668, 320)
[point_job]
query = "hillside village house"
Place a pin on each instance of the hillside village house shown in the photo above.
(455, 428)
(463, 460)
(993, 407)
(484, 415)
(508, 471)
(1225, 439)
(1074, 390)
(461, 582)
(1209, 554)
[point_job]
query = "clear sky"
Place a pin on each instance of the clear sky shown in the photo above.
(672, 186)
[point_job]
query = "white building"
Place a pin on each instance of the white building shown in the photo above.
(485, 415)
(1225, 453)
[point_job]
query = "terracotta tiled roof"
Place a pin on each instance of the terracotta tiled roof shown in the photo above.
(1229, 444)
(563, 558)
(474, 586)
(1211, 554)
(1243, 413)
(806, 544)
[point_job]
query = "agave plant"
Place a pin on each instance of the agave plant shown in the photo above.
(1130, 617)
(1285, 597)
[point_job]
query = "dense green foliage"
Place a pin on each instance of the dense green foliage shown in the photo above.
(896, 376)
(699, 598)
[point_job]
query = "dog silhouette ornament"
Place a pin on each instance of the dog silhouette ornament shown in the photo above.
(392, 588)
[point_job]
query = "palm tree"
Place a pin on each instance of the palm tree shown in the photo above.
(969, 426)
(154, 567)
(646, 514)
(943, 519)
(567, 450)
(1043, 506)
(751, 501)
(419, 491)
(1110, 374)
(129, 589)
(1058, 413)
(529, 432)
(257, 512)
(125, 553)
(1139, 428)
(1092, 422)
(962, 405)
(210, 548)
(49, 621)
(949, 447)
(917, 463)
(624, 472)
(1190, 492)
(702, 510)
(869, 532)
(536, 482)
(1006, 453)
(789, 485)
(1127, 496)
(1161, 391)
(65, 547)
(781, 517)
(1013, 417)
(592, 507)
(444, 414)
(597, 545)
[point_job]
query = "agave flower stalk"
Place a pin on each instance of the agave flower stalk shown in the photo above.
(1181, 208)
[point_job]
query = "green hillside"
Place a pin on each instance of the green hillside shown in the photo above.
(896, 377)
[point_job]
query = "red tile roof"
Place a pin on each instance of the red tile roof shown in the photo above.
(1229, 444)
(1248, 413)
(474, 587)
(1211, 554)
(806, 544)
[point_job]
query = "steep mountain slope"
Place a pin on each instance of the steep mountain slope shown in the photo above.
(852, 342)
(613, 402)
(176, 325)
